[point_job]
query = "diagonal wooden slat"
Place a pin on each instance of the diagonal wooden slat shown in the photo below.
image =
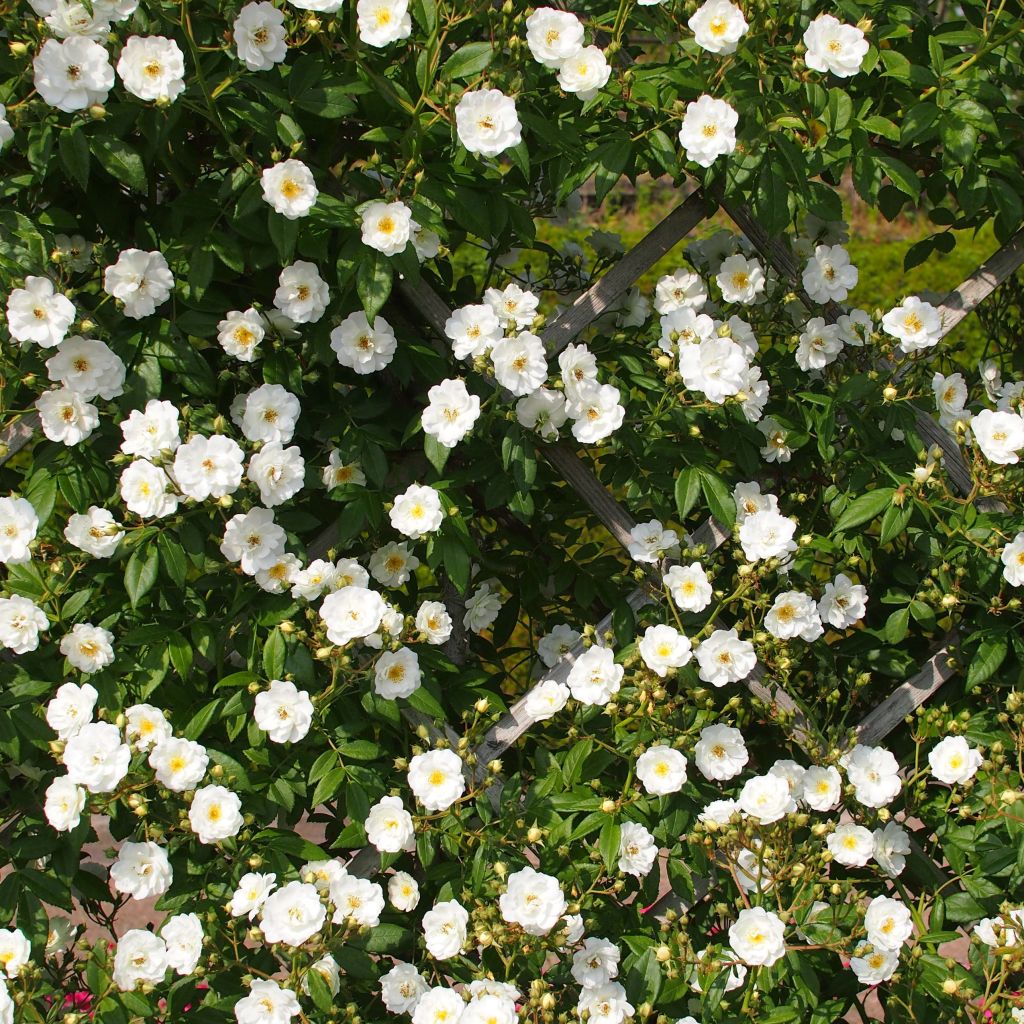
(17, 434)
(566, 327)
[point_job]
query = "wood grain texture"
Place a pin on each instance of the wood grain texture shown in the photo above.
(910, 695)
(566, 327)
(17, 434)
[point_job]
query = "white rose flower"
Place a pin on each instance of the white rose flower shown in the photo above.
(88, 367)
(152, 68)
(145, 726)
(64, 804)
(553, 36)
(594, 677)
(473, 330)
(875, 967)
(689, 586)
(708, 131)
(952, 761)
(819, 345)
(260, 36)
(38, 313)
(141, 870)
(585, 73)
(794, 615)
(361, 347)
(292, 914)
(999, 435)
(152, 431)
(15, 951)
(720, 753)
(766, 798)
(514, 307)
(96, 758)
(724, 658)
(767, 534)
(651, 542)
(402, 988)
(73, 74)
(250, 894)
(718, 26)
(851, 845)
(436, 779)
(208, 467)
(278, 472)
(403, 892)
(283, 712)
(715, 367)
(833, 46)
(70, 708)
(338, 473)
(490, 1009)
(578, 367)
(685, 326)
(758, 937)
(482, 607)
(444, 928)
(434, 622)
(183, 937)
(664, 649)
(393, 564)
(888, 923)
(680, 290)
(892, 844)
(253, 539)
(270, 414)
(417, 511)
(520, 364)
(239, 333)
(553, 646)
(439, 1006)
(605, 1004)
(267, 1002)
(302, 294)
(386, 227)
(573, 930)
(178, 763)
(95, 532)
(719, 812)
(141, 957)
(532, 900)
(6, 131)
(915, 324)
(66, 416)
(18, 526)
(1012, 557)
(546, 699)
(596, 412)
(214, 813)
(141, 280)
(662, 770)
(637, 850)
(874, 773)
(381, 22)
(596, 963)
(451, 413)
(350, 612)
(829, 276)
(821, 788)
(397, 674)
(740, 280)
(487, 123)
(89, 648)
(21, 621)
(843, 602)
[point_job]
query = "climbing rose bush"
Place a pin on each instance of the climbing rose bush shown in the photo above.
(292, 394)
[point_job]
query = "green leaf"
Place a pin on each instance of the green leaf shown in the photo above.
(688, 486)
(284, 233)
(180, 651)
(990, 654)
(467, 61)
(719, 497)
(456, 561)
(899, 174)
(608, 843)
(274, 651)
(140, 573)
(120, 161)
(172, 557)
(865, 508)
(319, 991)
(897, 625)
(437, 454)
(373, 282)
(73, 148)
